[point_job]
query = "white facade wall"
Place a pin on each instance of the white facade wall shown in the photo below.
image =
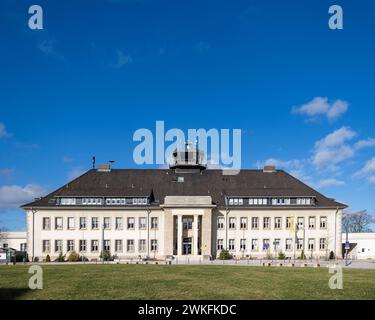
(364, 245)
(14, 240)
(332, 233)
(88, 234)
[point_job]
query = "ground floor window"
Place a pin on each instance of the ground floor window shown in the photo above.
(46, 246)
(299, 244)
(70, 245)
(118, 245)
(220, 244)
(266, 244)
(231, 244)
(322, 244)
(130, 246)
(142, 245)
(94, 245)
(154, 245)
(82, 245)
(311, 244)
(58, 246)
(254, 245)
(288, 245)
(107, 245)
(243, 244)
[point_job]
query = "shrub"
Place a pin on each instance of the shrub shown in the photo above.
(225, 255)
(281, 256)
(60, 258)
(73, 257)
(332, 255)
(105, 255)
(302, 256)
(48, 258)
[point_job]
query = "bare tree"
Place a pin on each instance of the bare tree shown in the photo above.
(356, 222)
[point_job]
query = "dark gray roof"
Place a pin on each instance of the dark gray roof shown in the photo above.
(162, 182)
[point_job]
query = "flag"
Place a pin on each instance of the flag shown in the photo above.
(291, 228)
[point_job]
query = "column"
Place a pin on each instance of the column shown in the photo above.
(195, 235)
(179, 235)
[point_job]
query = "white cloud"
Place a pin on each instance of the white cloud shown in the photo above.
(7, 173)
(13, 196)
(333, 149)
(75, 173)
(122, 59)
(47, 46)
(3, 132)
(330, 183)
(370, 142)
(67, 159)
(320, 106)
(368, 171)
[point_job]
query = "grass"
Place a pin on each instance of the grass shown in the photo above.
(138, 282)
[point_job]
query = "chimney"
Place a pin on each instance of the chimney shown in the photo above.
(104, 168)
(269, 169)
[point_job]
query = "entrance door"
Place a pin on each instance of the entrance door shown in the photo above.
(186, 245)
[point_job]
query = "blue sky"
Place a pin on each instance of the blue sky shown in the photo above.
(99, 70)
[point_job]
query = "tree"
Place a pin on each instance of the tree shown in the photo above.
(357, 222)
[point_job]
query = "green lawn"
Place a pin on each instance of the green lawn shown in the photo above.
(183, 282)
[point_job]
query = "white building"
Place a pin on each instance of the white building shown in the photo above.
(362, 245)
(184, 210)
(13, 240)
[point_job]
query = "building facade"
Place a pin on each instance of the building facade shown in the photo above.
(185, 210)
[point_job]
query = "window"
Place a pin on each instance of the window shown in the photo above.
(187, 223)
(118, 245)
(82, 223)
(299, 244)
(288, 222)
(288, 245)
(266, 222)
(300, 222)
(323, 222)
(312, 222)
(243, 244)
(130, 246)
(131, 223)
(94, 245)
(254, 223)
(23, 247)
(220, 244)
(119, 224)
(311, 244)
(276, 245)
(58, 223)
(107, 245)
(46, 246)
(266, 244)
(92, 201)
(142, 245)
(231, 244)
(71, 223)
(142, 222)
(232, 223)
(254, 245)
(82, 245)
(95, 223)
(243, 223)
(154, 245)
(58, 246)
(278, 223)
(5, 245)
(220, 222)
(68, 201)
(107, 223)
(46, 223)
(322, 244)
(70, 245)
(154, 223)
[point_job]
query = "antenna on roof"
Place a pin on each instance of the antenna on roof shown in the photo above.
(93, 162)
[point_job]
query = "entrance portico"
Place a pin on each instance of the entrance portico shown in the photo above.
(190, 221)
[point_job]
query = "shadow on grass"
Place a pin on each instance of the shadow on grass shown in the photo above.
(12, 293)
